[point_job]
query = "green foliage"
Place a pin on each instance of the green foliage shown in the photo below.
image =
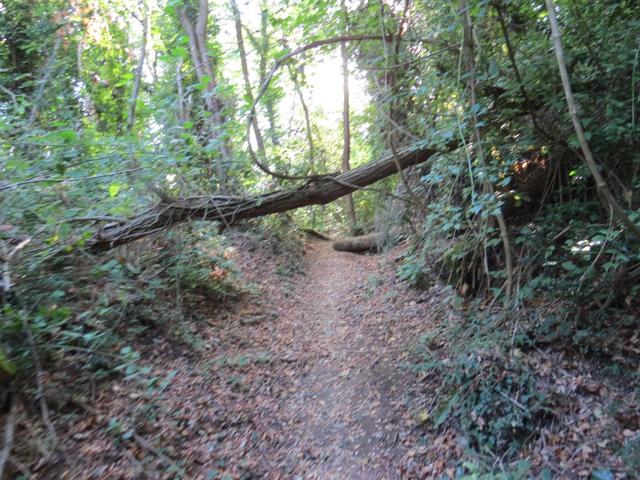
(412, 270)
(483, 385)
(89, 314)
(202, 267)
(478, 471)
(630, 454)
(69, 165)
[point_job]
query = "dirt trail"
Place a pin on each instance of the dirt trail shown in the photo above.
(301, 379)
(346, 413)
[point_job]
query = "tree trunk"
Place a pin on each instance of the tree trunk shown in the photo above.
(203, 67)
(245, 75)
(137, 79)
(264, 53)
(362, 243)
(346, 127)
(230, 210)
(261, 46)
(307, 117)
(183, 110)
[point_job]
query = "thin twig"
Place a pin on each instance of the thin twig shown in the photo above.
(281, 61)
(9, 429)
(40, 394)
(97, 218)
(63, 180)
(13, 100)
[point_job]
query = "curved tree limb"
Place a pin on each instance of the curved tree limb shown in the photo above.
(281, 61)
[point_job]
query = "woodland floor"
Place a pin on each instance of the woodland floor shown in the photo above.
(304, 376)
(300, 379)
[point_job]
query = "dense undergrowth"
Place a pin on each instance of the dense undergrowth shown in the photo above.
(576, 269)
(547, 298)
(82, 314)
(79, 328)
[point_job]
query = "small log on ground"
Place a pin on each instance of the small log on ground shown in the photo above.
(363, 243)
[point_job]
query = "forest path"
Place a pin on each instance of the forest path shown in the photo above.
(299, 377)
(346, 413)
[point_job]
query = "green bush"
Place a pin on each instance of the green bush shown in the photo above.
(483, 386)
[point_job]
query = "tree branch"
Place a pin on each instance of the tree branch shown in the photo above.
(230, 210)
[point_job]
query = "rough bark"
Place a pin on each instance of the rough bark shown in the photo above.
(229, 210)
(197, 36)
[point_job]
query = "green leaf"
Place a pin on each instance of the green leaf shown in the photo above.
(443, 410)
(179, 52)
(114, 189)
(7, 367)
(67, 135)
(493, 68)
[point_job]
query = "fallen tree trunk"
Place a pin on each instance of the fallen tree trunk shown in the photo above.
(229, 210)
(359, 244)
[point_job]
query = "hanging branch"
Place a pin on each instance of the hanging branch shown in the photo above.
(281, 61)
(608, 199)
